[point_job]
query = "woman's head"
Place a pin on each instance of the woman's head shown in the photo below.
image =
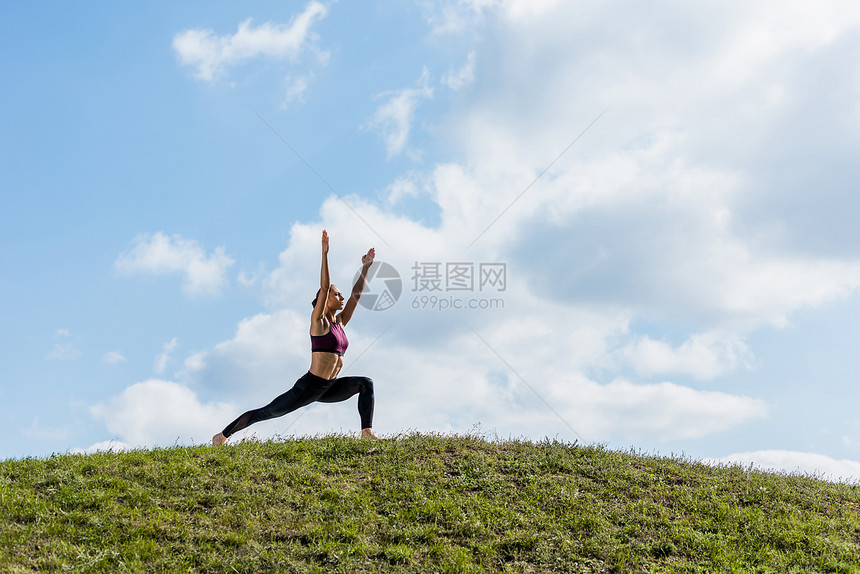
(335, 298)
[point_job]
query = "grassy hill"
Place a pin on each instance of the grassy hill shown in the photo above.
(416, 504)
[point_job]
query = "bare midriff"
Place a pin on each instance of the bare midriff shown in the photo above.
(325, 365)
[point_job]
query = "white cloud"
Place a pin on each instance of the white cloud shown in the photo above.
(667, 411)
(519, 10)
(164, 356)
(432, 372)
(250, 279)
(807, 463)
(400, 189)
(210, 55)
(463, 77)
(113, 357)
(296, 88)
(642, 227)
(160, 254)
(459, 379)
(466, 385)
(456, 16)
(704, 356)
(393, 119)
(759, 38)
(266, 355)
(246, 280)
(462, 384)
(158, 412)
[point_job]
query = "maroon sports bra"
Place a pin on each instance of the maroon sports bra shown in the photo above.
(332, 342)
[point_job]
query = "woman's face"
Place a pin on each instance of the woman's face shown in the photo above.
(335, 298)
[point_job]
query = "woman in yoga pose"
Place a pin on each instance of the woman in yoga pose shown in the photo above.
(328, 344)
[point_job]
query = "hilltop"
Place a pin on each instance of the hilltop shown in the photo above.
(417, 503)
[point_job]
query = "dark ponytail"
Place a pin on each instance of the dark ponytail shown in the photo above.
(314, 302)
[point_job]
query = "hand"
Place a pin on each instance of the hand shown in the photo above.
(325, 242)
(368, 259)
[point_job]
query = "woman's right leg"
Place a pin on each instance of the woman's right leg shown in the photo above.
(345, 387)
(306, 390)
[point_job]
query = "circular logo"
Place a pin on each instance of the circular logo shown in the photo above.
(382, 288)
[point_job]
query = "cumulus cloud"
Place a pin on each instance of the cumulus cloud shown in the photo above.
(455, 16)
(159, 412)
(806, 463)
(296, 88)
(268, 352)
(113, 357)
(704, 356)
(159, 254)
(462, 77)
(210, 55)
(393, 119)
(401, 189)
(668, 411)
(465, 384)
(660, 222)
(459, 380)
(569, 406)
(252, 278)
(431, 370)
(164, 356)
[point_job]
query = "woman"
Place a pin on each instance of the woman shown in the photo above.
(328, 344)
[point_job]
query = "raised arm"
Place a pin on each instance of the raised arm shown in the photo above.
(325, 284)
(358, 288)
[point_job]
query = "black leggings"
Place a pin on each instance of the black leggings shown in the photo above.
(310, 388)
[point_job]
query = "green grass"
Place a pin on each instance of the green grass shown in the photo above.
(416, 504)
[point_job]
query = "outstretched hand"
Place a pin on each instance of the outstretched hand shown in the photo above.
(368, 258)
(325, 241)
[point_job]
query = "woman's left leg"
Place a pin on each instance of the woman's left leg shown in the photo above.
(305, 391)
(345, 387)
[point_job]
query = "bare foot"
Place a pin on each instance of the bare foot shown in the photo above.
(368, 433)
(219, 439)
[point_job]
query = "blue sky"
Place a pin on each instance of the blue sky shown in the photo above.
(682, 279)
